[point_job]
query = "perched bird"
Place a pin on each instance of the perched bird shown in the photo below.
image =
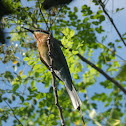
(60, 66)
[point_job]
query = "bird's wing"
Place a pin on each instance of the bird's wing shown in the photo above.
(59, 59)
(63, 73)
(47, 66)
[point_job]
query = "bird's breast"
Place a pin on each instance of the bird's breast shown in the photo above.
(43, 50)
(41, 39)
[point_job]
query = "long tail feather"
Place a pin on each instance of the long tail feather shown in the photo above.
(76, 102)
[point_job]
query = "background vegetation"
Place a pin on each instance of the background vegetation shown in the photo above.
(25, 83)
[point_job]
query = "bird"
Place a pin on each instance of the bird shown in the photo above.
(60, 66)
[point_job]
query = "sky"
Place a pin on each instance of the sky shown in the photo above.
(119, 19)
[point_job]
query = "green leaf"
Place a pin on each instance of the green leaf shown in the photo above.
(72, 32)
(40, 95)
(26, 59)
(37, 66)
(122, 73)
(33, 83)
(75, 9)
(36, 74)
(15, 87)
(22, 98)
(119, 9)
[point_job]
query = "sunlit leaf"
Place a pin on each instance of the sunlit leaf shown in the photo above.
(15, 62)
(33, 83)
(122, 73)
(117, 122)
(21, 72)
(26, 59)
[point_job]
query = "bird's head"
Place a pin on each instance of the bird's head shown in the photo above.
(39, 34)
(36, 30)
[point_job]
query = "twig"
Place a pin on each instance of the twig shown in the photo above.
(43, 17)
(102, 72)
(79, 109)
(13, 113)
(111, 20)
(113, 60)
(98, 69)
(53, 80)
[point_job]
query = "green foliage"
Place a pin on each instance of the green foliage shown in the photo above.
(26, 84)
(119, 9)
(121, 75)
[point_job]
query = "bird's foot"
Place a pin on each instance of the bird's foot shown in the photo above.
(50, 67)
(50, 54)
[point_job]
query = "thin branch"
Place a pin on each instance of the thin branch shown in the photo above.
(40, 9)
(111, 20)
(98, 69)
(79, 109)
(13, 113)
(113, 60)
(102, 72)
(53, 80)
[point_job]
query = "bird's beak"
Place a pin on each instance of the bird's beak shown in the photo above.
(32, 31)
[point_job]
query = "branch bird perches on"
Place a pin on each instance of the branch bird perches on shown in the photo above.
(53, 80)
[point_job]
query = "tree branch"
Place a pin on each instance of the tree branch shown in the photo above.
(43, 16)
(102, 72)
(111, 20)
(13, 113)
(53, 80)
(98, 69)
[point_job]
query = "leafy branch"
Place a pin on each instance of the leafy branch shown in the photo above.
(13, 113)
(102, 72)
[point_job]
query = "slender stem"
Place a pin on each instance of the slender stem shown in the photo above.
(79, 109)
(43, 16)
(111, 20)
(13, 113)
(102, 72)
